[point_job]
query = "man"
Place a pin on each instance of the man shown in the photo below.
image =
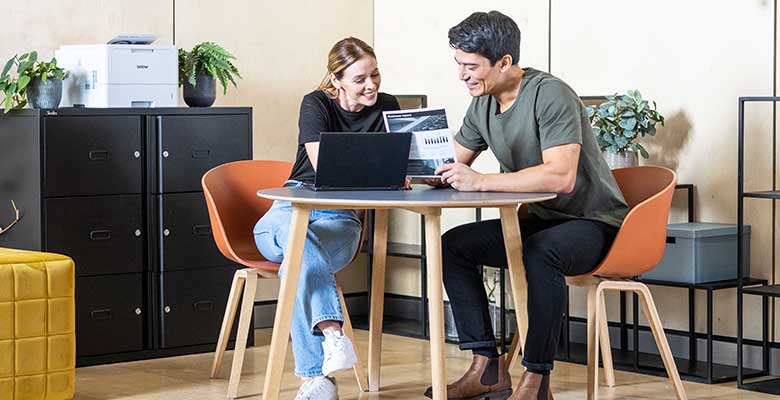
(539, 131)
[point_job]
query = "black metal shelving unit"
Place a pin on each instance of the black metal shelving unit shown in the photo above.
(772, 384)
(403, 250)
(691, 368)
(406, 326)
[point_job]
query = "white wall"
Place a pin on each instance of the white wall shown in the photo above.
(51, 23)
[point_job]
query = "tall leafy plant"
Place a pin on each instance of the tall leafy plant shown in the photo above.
(28, 68)
(207, 58)
(15, 88)
(621, 120)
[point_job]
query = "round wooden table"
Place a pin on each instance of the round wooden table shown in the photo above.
(423, 200)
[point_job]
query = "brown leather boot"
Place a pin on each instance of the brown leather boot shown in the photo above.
(486, 378)
(533, 387)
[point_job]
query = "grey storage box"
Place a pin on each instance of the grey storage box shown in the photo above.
(698, 252)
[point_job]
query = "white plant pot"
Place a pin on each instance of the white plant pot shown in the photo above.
(623, 158)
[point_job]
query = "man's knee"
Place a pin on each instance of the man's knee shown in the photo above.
(540, 259)
(453, 240)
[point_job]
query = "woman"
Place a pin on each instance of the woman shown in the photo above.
(347, 100)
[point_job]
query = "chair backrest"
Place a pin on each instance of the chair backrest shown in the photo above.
(233, 204)
(640, 242)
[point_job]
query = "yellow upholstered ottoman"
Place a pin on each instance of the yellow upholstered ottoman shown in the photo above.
(37, 326)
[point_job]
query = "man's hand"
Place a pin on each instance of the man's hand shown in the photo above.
(435, 182)
(460, 176)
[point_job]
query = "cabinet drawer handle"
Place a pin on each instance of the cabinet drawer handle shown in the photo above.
(201, 153)
(102, 234)
(101, 314)
(671, 239)
(98, 155)
(201, 230)
(205, 305)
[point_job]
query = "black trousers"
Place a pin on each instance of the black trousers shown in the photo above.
(552, 249)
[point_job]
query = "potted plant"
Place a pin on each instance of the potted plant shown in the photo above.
(14, 90)
(200, 68)
(45, 89)
(617, 124)
(37, 82)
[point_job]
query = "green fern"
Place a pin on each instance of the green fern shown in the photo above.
(208, 58)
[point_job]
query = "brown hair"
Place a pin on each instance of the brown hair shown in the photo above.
(343, 54)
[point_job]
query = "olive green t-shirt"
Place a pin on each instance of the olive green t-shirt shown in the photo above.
(546, 113)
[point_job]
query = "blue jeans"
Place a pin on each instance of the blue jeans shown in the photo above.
(331, 242)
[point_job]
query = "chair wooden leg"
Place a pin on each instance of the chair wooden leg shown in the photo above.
(377, 299)
(593, 343)
(227, 321)
(360, 372)
(245, 319)
(594, 305)
(606, 347)
(660, 339)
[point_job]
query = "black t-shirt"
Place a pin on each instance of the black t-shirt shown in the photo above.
(319, 113)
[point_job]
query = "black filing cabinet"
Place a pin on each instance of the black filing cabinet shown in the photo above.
(119, 191)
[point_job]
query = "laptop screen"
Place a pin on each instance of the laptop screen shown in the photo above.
(362, 160)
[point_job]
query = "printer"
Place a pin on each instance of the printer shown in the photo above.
(119, 75)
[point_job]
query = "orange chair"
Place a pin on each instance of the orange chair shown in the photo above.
(234, 208)
(638, 247)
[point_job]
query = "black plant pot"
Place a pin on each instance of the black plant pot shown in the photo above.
(203, 93)
(45, 95)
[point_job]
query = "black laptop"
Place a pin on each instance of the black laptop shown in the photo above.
(362, 161)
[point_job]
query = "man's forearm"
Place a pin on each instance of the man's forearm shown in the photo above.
(540, 178)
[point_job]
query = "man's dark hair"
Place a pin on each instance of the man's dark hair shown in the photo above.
(491, 35)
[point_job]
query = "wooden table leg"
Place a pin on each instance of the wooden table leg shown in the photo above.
(284, 306)
(377, 299)
(435, 302)
(360, 372)
(514, 254)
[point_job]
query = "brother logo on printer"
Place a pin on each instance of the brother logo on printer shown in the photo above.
(142, 66)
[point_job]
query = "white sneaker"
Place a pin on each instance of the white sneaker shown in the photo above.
(339, 353)
(318, 388)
